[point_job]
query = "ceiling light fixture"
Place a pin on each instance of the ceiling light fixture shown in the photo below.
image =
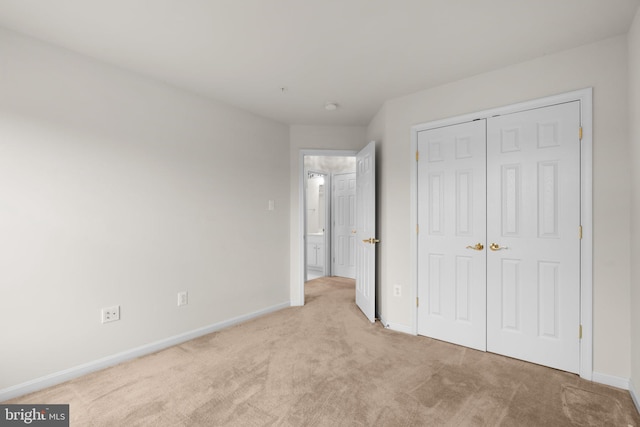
(330, 106)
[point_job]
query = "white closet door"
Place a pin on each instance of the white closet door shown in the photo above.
(344, 225)
(533, 218)
(451, 255)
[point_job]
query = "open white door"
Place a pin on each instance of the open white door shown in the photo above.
(366, 230)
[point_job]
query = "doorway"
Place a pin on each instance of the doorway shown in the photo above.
(328, 213)
(504, 246)
(365, 221)
(318, 223)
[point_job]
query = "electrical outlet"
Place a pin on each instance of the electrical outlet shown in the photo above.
(397, 291)
(183, 298)
(111, 314)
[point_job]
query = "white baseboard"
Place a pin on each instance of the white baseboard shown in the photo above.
(400, 328)
(634, 396)
(611, 380)
(381, 319)
(105, 362)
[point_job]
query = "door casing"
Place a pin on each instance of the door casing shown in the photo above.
(586, 207)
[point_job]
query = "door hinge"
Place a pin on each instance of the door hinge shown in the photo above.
(417, 302)
(580, 133)
(580, 232)
(417, 228)
(417, 155)
(580, 334)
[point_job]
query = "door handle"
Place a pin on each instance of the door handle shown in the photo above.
(496, 247)
(371, 240)
(477, 247)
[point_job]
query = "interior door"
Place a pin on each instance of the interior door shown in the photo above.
(344, 225)
(533, 262)
(451, 241)
(366, 230)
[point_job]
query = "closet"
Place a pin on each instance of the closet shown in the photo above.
(499, 211)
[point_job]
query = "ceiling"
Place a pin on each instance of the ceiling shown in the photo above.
(356, 53)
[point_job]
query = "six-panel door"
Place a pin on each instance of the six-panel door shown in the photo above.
(366, 231)
(533, 219)
(452, 264)
(529, 265)
(344, 226)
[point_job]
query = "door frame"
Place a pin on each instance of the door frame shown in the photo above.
(585, 97)
(302, 226)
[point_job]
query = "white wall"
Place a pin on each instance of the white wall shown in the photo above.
(330, 164)
(634, 127)
(312, 138)
(115, 189)
(602, 66)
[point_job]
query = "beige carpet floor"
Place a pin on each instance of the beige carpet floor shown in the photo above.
(324, 364)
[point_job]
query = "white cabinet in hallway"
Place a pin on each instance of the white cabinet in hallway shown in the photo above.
(315, 251)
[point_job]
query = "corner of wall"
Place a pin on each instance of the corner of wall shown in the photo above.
(633, 44)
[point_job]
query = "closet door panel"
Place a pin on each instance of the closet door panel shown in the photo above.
(533, 219)
(452, 209)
